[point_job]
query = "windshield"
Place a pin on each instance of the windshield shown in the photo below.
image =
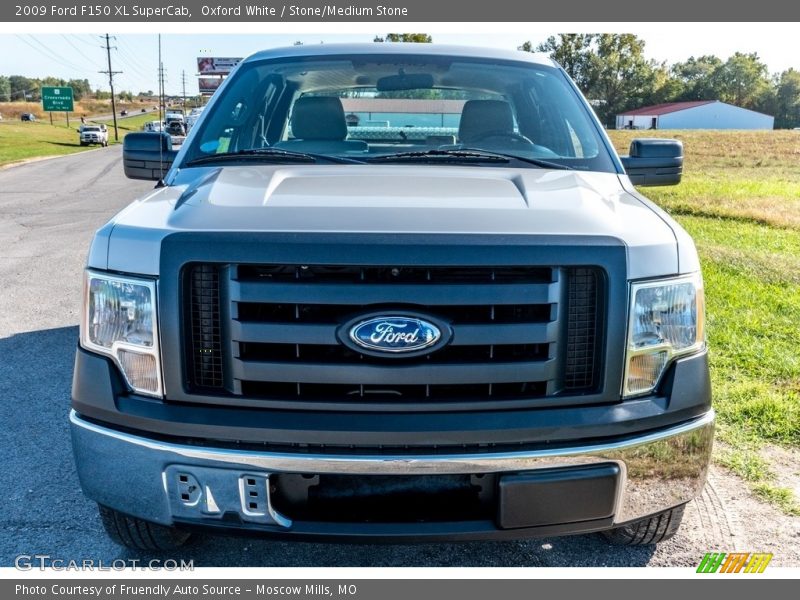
(377, 108)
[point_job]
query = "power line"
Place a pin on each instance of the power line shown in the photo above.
(23, 92)
(130, 65)
(93, 44)
(79, 51)
(131, 52)
(131, 61)
(52, 55)
(48, 54)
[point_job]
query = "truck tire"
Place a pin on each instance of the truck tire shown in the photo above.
(650, 530)
(138, 534)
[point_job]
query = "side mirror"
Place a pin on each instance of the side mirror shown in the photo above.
(654, 161)
(147, 155)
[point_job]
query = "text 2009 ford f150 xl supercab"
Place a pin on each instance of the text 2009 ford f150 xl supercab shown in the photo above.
(461, 323)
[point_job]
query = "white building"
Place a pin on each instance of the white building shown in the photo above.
(701, 114)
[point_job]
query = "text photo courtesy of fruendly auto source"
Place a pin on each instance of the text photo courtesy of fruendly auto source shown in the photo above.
(406, 299)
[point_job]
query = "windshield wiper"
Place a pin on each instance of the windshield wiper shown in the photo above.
(467, 155)
(257, 154)
(539, 162)
(464, 156)
(274, 155)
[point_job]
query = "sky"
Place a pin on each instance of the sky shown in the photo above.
(82, 55)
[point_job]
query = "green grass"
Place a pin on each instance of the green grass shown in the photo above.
(20, 141)
(24, 140)
(133, 123)
(781, 497)
(740, 201)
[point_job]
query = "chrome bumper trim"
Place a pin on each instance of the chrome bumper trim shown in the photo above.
(659, 470)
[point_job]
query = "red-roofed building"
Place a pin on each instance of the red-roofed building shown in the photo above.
(699, 114)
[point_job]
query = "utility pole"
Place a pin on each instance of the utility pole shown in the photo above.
(111, 74)
(183, 81)
(160, 83)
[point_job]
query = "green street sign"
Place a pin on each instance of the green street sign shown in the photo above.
(57, 99)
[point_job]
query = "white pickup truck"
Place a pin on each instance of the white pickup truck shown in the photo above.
(93, 134)
(309, 330)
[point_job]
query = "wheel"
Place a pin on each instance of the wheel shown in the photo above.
(650, 530)
(138, 534)
(83, 143)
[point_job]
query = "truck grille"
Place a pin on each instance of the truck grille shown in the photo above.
(268, 332)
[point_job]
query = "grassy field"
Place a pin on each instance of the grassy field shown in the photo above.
(740, 200)
(23, 140)
(19, 141)
(87, 107)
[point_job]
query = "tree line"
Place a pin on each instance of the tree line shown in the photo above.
(17, 88)
(613, 73)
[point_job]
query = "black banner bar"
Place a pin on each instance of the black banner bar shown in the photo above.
(617, 11)
(388, 589)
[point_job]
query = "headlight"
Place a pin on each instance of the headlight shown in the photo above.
(119, 320)
(667, 319)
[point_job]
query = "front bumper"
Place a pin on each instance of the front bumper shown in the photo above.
(575, 489)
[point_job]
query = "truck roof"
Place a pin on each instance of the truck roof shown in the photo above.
(402, 49)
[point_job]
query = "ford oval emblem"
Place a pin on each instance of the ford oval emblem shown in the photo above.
(395, 334)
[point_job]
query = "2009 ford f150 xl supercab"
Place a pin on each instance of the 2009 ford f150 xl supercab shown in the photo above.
(463, 323)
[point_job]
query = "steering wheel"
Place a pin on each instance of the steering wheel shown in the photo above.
(506, 135)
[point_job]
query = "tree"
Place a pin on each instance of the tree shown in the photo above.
(623, 76)
(22, 88)
(573, 51)
(80, 88)
(610, 69)
(742, 80)
(415, 38)
(696, 76)
(5, 89)
(787, 100)
(666, 87)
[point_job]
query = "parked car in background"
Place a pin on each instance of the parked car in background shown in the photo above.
(123, 113)
(93, 134)
(153, 126)
(176, 128)
(192, 117)
(27, 117)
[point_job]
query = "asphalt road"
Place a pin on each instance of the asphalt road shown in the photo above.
(48, 213)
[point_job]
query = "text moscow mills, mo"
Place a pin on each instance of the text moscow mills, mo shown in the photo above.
(188, 590)
(275, 11)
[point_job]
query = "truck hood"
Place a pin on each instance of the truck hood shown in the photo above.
(389, 199)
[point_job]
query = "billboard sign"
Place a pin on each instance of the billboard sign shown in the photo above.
(57, 99)
(211, 65)
(209, 85)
